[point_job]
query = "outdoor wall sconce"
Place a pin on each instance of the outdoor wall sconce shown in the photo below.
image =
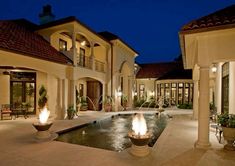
(214, 68)
(83, 43)
(152, 93)
(119, 93)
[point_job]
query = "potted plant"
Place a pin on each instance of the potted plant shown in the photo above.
(71, 112)
(78, 101)
(42, 101)
(124, 101)
(227, 121)
(84, 105)
(107, 104)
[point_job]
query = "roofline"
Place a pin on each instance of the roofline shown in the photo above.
(208, 29)
(127, 46)
(194, 31)
(29, 55)
(68, 20)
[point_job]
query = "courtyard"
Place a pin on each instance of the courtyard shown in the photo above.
(174, 146)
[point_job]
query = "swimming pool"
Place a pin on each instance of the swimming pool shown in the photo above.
(111, 133)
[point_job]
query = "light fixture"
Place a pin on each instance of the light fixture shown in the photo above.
(83, 43)
(152, 93)
(214, 68)
(119, 93)
(135, 93)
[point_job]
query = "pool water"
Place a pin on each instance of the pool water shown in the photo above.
(111, 133)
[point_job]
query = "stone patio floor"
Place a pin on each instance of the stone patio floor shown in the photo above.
(175, 146)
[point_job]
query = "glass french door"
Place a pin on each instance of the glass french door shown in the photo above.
(23, 95)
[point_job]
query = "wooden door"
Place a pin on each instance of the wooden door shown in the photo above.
(94, 93)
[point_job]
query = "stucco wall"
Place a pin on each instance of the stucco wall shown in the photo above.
(148, 86)
(4, 89)
(231, 87)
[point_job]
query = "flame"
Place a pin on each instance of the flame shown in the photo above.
(139, 125)
(43, 116)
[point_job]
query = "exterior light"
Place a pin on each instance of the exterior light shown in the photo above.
(214, 68)
(83, 43)
(119, 93)
(152, 93)
(135, 93)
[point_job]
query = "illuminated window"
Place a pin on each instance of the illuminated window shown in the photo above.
(141, 89)
(62, 45)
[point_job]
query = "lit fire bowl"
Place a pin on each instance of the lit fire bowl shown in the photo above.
(42, 130)
(139, 144)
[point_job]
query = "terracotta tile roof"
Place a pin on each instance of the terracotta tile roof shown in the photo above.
(19, 36)
(167, 70)
(222, 17)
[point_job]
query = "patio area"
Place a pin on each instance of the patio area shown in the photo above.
(174, 147)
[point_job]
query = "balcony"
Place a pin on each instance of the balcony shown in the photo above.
(99, 66)
(87, 62)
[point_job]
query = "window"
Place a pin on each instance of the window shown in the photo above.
(81, 57)
(180, 93)
(225, 88)
(81, 89)
(173, 93)
(62, 45)
(141, 91)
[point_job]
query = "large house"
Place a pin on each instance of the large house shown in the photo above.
(65, 56)
(168, 80)
(207, 46)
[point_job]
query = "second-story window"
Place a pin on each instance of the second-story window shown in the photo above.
(62, 45)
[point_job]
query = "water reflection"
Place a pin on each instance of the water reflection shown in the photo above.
(111, 133)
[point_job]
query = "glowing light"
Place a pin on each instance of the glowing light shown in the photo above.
(119, 93)
(83, 43)
(214, 69)
(44, 115)
(139, 125)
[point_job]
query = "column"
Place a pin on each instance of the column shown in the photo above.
(195, 99)
(74, 49)
(203, 116)
(72, 93)
(218, 88)
(92, 56)
(231, 87)
(60, 106)
(5, 89)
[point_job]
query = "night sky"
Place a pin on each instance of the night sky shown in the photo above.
(150, 26)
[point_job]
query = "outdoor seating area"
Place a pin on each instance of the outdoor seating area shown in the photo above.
(9, 112)
(6, 112)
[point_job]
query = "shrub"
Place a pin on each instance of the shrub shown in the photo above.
(185, 106)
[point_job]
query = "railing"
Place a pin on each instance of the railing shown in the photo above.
(85, 61)
(99, 66)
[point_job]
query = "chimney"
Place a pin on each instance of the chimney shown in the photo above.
(46, 15)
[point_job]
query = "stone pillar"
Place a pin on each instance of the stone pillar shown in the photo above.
(74, 49)
(203, 118)
(92, 56)
(4, 89)
(72, 93)
(61, 108)
(231, 87)
(218, 88)
(195, 99)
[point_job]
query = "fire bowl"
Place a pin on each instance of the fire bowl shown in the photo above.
(42, 127)
(42, 130)
(139, 140)
(139, 146)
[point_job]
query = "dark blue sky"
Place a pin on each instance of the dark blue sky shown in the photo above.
(150, 26)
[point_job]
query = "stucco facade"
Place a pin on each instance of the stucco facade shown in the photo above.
(205, 46)
(96, 63)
